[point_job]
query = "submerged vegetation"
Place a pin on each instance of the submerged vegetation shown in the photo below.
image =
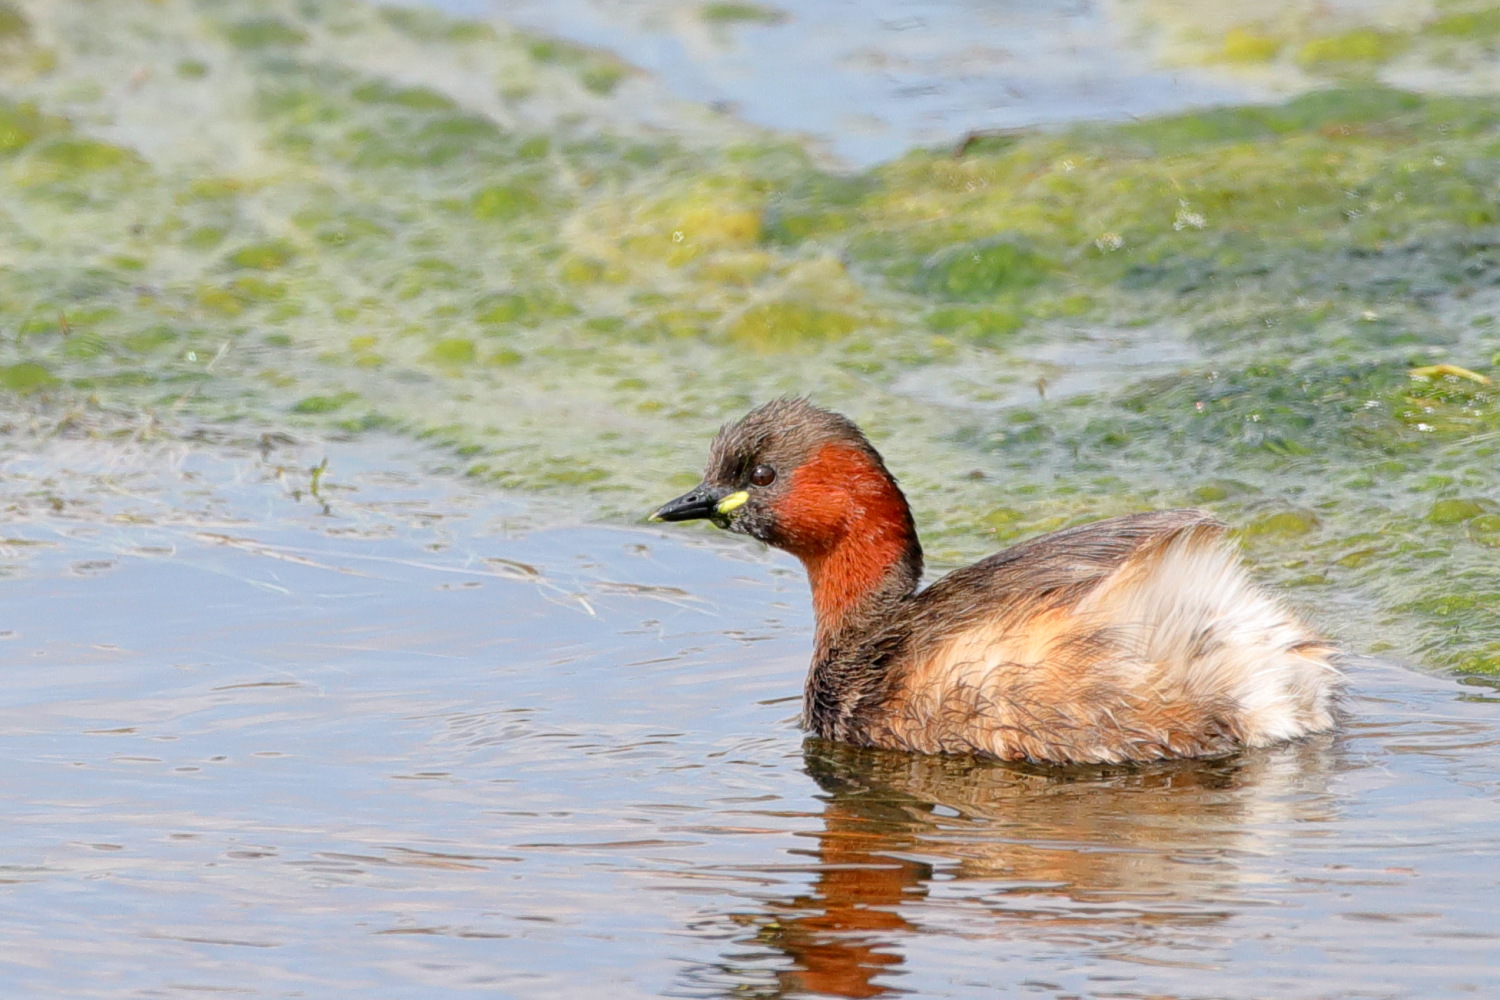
(1304, 42)
(334, 216)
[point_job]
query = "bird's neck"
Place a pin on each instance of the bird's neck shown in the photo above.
(851, 526)
(849, 523)
(858, 577)
(860, 586)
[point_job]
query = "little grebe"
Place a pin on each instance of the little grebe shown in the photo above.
(1131, 639)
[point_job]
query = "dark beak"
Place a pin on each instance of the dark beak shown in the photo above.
(701, 501)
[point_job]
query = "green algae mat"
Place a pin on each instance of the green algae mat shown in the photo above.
(324, 216)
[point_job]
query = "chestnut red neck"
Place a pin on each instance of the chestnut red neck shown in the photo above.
(850, 524)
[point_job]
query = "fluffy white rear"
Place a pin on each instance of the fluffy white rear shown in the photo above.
(1204, 632)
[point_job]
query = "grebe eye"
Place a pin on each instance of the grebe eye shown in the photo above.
(763, 475)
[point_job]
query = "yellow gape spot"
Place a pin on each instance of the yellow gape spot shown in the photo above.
(732, 501)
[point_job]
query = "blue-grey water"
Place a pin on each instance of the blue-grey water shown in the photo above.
(866, 80)
(404, 738)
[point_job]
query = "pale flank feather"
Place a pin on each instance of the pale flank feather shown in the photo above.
(1173, 652)
(1209, 634)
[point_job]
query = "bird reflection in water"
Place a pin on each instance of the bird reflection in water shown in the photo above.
(1101, 855)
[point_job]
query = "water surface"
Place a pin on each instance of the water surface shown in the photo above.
(403, 737)
(867, 81)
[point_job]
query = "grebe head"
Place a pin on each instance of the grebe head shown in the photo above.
(798, 477)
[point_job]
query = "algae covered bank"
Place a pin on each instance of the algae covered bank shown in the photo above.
(332, 217)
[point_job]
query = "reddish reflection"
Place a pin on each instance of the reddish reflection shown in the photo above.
(840, 937)
(1159, 843)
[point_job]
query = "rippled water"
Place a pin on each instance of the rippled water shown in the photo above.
(401, 738)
